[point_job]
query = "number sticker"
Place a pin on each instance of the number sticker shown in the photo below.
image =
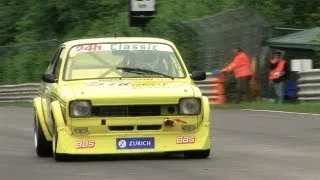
(79, 48)
(186, 140)
(85, 144)
(88, 48)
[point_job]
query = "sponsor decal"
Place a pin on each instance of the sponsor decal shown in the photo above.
(157, 85)
(135, 143)
(153, 85)
(109, 84)
(120, 46)
(94, 84)
(186, 139)
(142, 46)
(88, 48)
(85, 144)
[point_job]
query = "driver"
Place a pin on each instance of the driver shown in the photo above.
(144, 60)
(148, 60)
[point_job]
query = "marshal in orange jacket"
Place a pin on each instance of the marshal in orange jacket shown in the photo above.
(240, 66)
(279, 69)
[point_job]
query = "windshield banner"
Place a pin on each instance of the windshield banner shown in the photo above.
(122, 46)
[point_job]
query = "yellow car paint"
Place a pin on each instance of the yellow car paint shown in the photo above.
(99, 139)
(105, 144)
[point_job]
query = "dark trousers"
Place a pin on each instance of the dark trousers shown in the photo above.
(243, 89)
(279, 89)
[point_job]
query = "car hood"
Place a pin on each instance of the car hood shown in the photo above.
(132, 92)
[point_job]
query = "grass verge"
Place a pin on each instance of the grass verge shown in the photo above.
(313, 108)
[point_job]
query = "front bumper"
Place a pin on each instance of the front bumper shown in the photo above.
(143, 142)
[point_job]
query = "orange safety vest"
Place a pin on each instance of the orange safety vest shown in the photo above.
(279, 68)
(241, 66)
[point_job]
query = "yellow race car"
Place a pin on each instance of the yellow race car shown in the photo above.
(120, 95)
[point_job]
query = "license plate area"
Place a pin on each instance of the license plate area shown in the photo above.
(135, 143)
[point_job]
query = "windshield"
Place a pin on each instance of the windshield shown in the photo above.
(110, 60)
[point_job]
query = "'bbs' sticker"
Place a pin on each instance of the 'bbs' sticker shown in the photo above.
(186, 140)
(85, 144)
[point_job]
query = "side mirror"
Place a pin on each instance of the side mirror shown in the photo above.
(198, 75)
(48, 78)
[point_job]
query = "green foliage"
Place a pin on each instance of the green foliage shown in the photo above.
(24, 67)
(8, 16)
(31, 21)
(265, 105)
(289, 13)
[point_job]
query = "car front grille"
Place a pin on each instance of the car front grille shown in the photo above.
(138, 127)
(127, 110)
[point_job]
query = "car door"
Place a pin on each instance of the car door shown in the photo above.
(47, 87)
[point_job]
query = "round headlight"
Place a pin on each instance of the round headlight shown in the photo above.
(190, 106)
(80, 108)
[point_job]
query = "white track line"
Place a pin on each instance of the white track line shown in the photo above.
(286, 112)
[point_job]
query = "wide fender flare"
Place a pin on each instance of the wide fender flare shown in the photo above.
(57, 116)
(207, 121)
(206, 110)
(37, 105)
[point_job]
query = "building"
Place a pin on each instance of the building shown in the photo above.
(300, 45)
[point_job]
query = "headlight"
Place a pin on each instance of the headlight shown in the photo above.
(190, 106)
(80, 108)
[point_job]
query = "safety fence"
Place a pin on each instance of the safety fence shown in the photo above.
(309, 86)
(212, 87)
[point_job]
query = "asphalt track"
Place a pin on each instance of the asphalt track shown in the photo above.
(248, 146)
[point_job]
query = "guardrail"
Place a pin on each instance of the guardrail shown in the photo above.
(309, 86)
(212, 87)
(18, 92)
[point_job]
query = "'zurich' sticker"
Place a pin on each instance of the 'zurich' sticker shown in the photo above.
(135, 143)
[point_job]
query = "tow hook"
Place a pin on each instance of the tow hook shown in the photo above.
(168, 122)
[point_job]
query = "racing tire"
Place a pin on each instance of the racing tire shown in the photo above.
(201, 154)
(42, 146)
(56, 156)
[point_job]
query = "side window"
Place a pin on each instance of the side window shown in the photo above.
(56, 70)
(53, 60)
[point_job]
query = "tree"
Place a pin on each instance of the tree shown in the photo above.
(289, 13)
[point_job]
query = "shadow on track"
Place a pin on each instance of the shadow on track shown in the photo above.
(144, 157)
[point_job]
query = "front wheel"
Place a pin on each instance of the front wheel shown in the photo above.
(201, 154)
(41, 145)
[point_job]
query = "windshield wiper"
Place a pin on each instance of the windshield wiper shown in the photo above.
(139, 71)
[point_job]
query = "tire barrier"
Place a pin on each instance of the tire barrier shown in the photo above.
(309, 86)
(212, 87)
